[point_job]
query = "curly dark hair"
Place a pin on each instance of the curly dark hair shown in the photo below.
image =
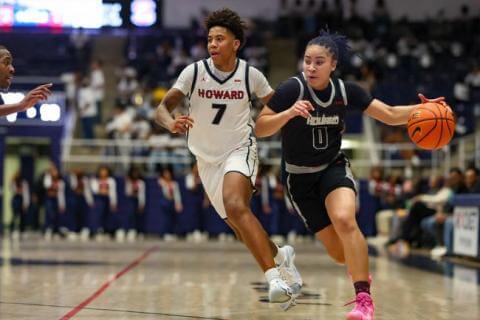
(228, 19)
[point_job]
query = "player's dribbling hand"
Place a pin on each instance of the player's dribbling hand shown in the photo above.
(440, 100)
(181, 124)
(300, 108)
(33, 97)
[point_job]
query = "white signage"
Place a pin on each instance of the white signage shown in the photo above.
(466, 229)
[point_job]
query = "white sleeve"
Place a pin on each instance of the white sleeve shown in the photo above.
(141, 194)
(177, 197)
(94, 185)
(61, 194)
(73, 181)
(439, 198)
(259, 84)
(189, 181)
(184, 80)
(128, 187)
(47, 181)
(112, 191)
(87, 192)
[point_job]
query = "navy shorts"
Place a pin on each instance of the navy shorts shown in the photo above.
(308, 191)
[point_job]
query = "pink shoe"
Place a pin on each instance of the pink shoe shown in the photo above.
(364, 307)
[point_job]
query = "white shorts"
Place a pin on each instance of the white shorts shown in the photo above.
(243, 160)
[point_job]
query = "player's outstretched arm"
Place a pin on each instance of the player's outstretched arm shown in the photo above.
(180, 124)
(39, 93)
(269, 122)
(396, 115)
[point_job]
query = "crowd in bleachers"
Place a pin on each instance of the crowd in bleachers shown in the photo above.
(77, 205)
(413, 214)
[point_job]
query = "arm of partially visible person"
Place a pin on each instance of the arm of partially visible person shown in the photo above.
(39, 93)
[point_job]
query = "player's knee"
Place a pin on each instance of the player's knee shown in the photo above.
(345, 225)
(235, 208)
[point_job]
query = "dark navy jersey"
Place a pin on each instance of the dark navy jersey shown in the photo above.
(316, 141)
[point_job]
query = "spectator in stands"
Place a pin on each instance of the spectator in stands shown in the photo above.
(80, 46)
(170, 203)
(381, 19)
(87, 108)
(159, 141)
(136, 194)
(433, 205)
(198, 51)
(97, 82)
(434, 225)
(71, 82)
(119, 128)
(127, 85)
(104, 189)
(180, 60)
(472, 181)
(20, 203)
(422, 206)
(6, 75)
(193, 204)
(81, 202)
(375, 183)
(54, 202)
(120, 125)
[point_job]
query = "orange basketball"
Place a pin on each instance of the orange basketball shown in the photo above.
(431, 125)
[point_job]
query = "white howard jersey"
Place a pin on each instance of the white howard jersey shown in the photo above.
(221, 112)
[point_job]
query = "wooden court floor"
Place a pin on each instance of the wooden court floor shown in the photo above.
(211, 280)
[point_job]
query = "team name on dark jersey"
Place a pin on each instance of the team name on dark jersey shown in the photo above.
(323, 120)
(221, 94)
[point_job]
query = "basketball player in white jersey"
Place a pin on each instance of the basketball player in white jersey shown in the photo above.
(220, 135)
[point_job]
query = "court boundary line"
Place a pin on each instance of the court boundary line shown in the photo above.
(107, 284)
(114, 310)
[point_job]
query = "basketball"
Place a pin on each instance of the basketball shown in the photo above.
(431, 125)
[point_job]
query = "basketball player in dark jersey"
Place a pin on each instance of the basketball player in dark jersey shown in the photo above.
(310, 109)
(6, 74)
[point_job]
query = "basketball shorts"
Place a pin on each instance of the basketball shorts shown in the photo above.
(243, 160)
(308, 191)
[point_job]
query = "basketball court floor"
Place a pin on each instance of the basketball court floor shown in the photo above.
(211, 281)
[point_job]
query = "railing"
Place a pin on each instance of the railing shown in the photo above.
(459, 152)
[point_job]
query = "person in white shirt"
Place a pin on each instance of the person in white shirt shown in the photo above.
(220, 135)
(87, 108)
(97, 81)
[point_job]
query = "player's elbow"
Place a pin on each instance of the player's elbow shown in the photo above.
(262, 130)
(260, 133)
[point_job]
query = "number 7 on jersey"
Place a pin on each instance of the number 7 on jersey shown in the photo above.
(221, 110)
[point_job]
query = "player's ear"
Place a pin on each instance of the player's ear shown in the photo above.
(334, 65)
(236, 44)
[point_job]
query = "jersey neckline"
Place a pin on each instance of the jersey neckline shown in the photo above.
(316, 98)
(214, 77)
